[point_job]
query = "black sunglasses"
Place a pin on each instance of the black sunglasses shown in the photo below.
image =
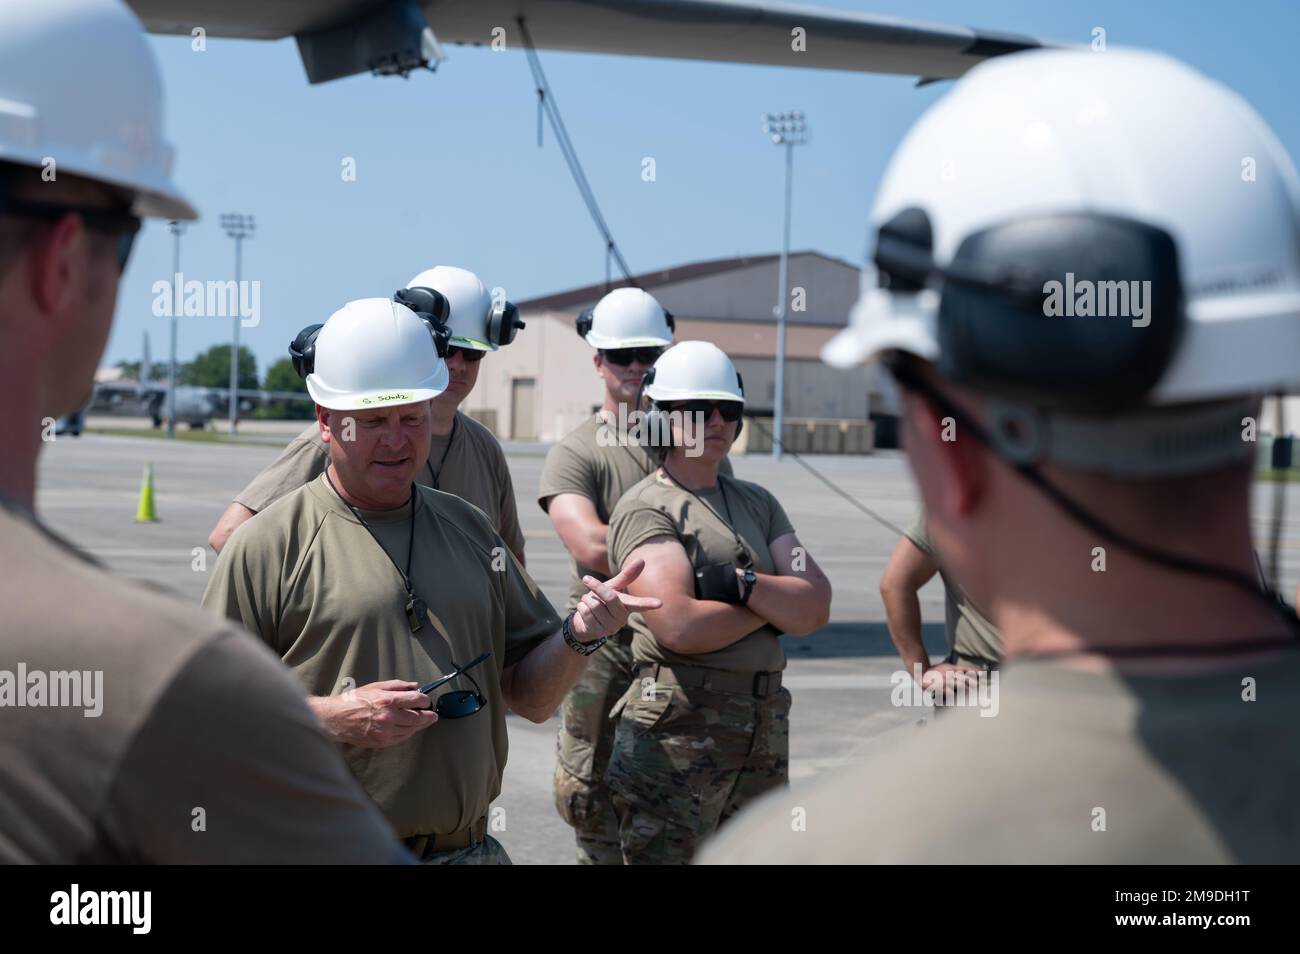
(471, 355)
(625, 356)
(458, 703)
(731, 411)
(119, 222)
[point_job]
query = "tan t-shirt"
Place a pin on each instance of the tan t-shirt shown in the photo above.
(1178, 770)
(203, 749)
(307, 578)
(475, 469)
(658, 507)
(596, 462)
(970, 633)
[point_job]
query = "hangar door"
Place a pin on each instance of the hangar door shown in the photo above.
(523, 416)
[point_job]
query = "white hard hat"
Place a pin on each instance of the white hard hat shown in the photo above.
(694, 371)
(79, 85)
(469, 301)
(374, 352)
(627, 318)
(1126, 134)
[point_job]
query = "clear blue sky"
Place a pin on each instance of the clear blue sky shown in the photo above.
(448, 170)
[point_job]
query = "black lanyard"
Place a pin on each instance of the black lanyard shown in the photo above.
(415, 607)
(742, 550)
(445, 451)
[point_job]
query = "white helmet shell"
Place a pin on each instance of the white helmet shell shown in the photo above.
(694, 371)
(373, 353)
(469, 300)
(629, 318)
(1127, 133)
(79, 85)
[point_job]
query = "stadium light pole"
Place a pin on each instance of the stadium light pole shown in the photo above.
(788, 130)
(176, 228)
(238, 227)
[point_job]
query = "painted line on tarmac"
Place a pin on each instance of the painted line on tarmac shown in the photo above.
(143, 552)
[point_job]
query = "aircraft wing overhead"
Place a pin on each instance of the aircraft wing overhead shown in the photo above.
(737, 31)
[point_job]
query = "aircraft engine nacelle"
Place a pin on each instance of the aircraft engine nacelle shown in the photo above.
(391, 39)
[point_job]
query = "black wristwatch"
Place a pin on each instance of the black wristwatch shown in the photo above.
(579, 647)
(747, 579)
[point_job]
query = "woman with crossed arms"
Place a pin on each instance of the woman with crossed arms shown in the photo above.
(704, 728)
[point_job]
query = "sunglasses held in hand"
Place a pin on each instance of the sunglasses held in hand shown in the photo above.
(458, 703)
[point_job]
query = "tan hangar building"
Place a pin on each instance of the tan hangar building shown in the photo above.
(543, 385)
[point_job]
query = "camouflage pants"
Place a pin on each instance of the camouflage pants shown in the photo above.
(585, 741)
(687, 760)
(487, 852)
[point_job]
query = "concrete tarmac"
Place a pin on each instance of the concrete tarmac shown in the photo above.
(839, 677)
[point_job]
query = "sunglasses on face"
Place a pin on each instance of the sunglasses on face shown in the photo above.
(115, 222)
(625, 356)
(469, 354)
(458, 703)
(730, 410)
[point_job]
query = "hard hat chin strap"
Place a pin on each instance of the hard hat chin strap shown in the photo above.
(1154, 444)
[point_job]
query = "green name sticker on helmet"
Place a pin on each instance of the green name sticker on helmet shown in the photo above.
(390, 397)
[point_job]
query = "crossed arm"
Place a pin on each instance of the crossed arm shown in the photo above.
(796, 599)
(581, 530)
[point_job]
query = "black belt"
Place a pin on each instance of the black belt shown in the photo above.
(759, 684)
(425, 846)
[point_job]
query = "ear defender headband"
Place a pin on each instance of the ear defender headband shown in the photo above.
(503, 324)
(431, 305)
(1071, 311)
(427, 303)
(584, 319)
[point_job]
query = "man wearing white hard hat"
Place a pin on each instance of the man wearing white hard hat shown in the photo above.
(1086, 465)
(584, 476)
(389, 599)
(465, 458)
(704, 728)
(134, 728)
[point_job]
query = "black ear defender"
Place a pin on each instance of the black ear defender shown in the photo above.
(424, 301)
(585, 317)
(740, 386)
(1070, 311)
(302, 350)
(583, 322)
(654, 423)
(431, 305)
(503, 323)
